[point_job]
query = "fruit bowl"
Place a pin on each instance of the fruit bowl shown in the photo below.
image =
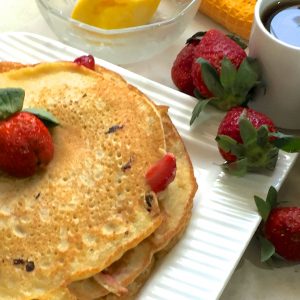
(120, 46)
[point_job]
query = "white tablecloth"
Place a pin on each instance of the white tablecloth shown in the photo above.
(251, 279)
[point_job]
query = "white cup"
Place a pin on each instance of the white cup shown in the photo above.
(281, 72)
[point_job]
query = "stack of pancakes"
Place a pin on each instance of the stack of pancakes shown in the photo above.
(88, 225)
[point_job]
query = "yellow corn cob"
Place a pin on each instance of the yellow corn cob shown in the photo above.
(235, 15)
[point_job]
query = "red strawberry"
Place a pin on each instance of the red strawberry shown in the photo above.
(86, 60)
(229, 126)
(181, 71)
(162, 173)
(249, 141)
(222, 73)
(182, 67)
(25, 144)
(243, 140)
(281, 228)
(214, 47)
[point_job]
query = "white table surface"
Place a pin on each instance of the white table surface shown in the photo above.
(251, 279)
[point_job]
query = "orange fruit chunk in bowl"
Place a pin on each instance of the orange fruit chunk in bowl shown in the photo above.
(114, 14)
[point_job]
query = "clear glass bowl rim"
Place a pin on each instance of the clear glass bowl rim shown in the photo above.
(116, 31)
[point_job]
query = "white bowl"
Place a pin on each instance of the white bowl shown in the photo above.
(120, 46)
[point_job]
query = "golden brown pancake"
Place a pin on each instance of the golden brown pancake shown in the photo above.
(133, 269)
(88, 207)
(59, 294)
(176, 204)
(8, 66)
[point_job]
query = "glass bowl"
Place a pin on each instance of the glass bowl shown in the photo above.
(120, 46)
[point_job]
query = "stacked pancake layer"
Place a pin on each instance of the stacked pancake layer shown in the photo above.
(84, 221)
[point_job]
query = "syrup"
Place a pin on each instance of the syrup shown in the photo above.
(282, 20)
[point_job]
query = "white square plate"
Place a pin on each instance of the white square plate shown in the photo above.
(224, 216)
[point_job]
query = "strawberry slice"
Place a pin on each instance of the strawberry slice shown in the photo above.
(162, 173)
(87, 61)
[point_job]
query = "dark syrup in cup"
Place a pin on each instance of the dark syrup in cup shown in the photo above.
(282, 20)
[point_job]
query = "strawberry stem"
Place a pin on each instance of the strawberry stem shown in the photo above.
(264, 207)
(272, 197)
(196, 37)
(267, 249)
(45, 116)
(11, 101)
(238, 40)
(233, 87)
(198, 109)
(260, 153)
(289, 144)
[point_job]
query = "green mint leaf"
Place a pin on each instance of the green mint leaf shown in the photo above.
(263, 207)
(247, 131)
(238, 40)
(211, 78)
(267, 249)
(228, 74)
(236, 168)
(198, 109)
(288, 143)
(272, 197)
(11, 101)
(46, 117)
(247, 77)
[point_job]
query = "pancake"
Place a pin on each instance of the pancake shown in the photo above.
(88, 208)
(8, 66)
(59, 294)
(135, 286)
(176, 204)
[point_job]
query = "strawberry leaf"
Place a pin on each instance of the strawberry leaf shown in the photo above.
(228, 74)
(287, 143)
(262, 136)
(279, 135)
(263, 207)
(225, 142)
(247, 131)
(11, 101)
(236, 168)
(45, 116)
(197, 110)
(272, 197)
(228, 144)
(211, 78)
(267, 249)
(272, 157)
(238, 40)
(196, 37)
(198, 95)
(247, 76)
